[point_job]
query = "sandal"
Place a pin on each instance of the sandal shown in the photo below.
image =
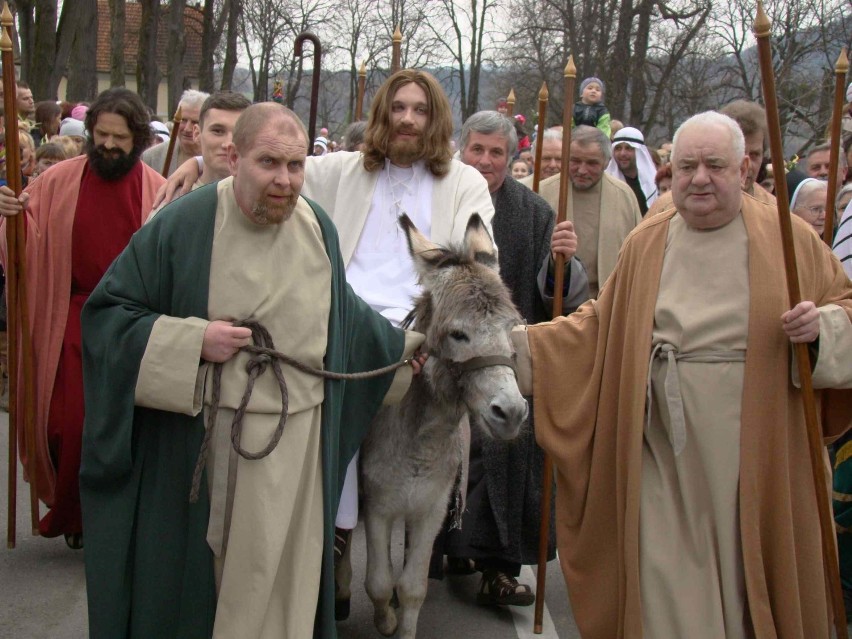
(498, 588)
(74, 540)
(342, 536)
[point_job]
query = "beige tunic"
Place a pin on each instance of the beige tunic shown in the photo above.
(690, 552)
(271, 570)
(617, 215)
(587, 208)
(598, 441)
(268, 547)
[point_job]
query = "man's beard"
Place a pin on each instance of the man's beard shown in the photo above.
(406, 152)
(111, 164)
(264, 214)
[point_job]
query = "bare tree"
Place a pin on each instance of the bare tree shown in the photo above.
(82, 64)
(48, 44)
(614, 40)
(359, 37)
(175, 49)
(147, 72)
(117, 19)
(234, 9)
(214, 18)
(806, 38)
(464, 40)
(43, 48)
(24, 11)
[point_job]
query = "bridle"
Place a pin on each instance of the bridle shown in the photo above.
(457, 369)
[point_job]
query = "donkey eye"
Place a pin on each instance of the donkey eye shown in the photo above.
(459, 336)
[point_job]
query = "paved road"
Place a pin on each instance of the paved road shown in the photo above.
(42, 591)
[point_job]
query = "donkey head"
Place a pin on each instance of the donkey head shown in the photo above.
(466, 313)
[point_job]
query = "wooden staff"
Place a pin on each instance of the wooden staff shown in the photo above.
(396, 64)
(565, 205)
(17, 323)
(362, 86)
(315, 82)
(172, 138)
(510, 103)
(840, 70)
(762, 30)
(543, 97)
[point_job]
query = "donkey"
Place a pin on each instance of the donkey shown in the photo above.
(411, 455)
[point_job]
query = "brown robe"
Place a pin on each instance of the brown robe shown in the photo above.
(599, 355)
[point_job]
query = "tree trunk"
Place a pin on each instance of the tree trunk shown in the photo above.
(208, 48)
(174, 52)
(69, 25)
(235, 8)
(620, 73)
(26, 24)
(44, 52)
(638, 98)
(117, 18)
(147, 73)
(82, 70)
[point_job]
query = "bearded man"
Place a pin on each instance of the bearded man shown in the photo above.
(253, 557)
(80, 215)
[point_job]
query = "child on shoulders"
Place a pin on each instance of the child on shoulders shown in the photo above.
(590, 110)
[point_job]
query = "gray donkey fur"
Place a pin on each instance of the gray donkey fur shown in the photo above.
(410, 458)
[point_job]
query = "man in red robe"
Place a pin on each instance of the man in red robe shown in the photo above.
(80, 216)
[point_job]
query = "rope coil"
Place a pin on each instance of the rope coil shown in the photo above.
(263, 355)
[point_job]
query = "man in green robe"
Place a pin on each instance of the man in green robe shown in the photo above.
(254, 556)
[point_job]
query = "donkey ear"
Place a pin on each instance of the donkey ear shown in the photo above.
(478, 242)
(422, 250)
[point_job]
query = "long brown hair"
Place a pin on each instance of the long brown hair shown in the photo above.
(436, 137)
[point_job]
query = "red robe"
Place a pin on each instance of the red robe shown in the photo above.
(65, 258)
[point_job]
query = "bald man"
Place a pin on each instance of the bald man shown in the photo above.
(253, 556)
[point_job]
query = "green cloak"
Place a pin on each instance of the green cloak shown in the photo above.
(149, 570)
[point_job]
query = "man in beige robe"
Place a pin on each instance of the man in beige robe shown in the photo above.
(685, 500)
(751, 117)
(604, 210)
(269, 262)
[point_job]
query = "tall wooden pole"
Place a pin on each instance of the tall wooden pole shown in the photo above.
(510, 103)
(362, 86)
(396, 57)
(565, 205)
(840, 70)
(315, 82)
(543, 97)
(762, 28)
(17, 325)
(172, 138)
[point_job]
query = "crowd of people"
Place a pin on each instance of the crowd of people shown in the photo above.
(665, 395)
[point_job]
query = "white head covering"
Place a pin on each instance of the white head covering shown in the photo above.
(70, 126)
(645, 166)
(160, 130)
(794, 199)
(321, 141)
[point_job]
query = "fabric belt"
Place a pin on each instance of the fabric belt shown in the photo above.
(674, 401)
